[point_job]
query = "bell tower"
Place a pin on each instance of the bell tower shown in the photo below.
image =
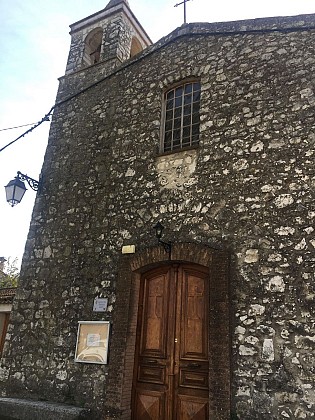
(112, 34)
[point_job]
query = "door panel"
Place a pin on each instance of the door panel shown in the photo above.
(194, 343)
(155, 315)
(150, 405)
(171, 364)
(192, 409)
(191, 379)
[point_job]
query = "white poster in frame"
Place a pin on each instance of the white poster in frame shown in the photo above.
(92, 342)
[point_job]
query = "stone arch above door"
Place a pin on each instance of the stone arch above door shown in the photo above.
(125, 323)
(188, 252)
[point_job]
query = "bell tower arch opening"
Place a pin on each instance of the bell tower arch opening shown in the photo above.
(92, 47)
(111, 36)
(136, 46)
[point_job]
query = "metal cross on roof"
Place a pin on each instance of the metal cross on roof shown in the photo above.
(184, 3)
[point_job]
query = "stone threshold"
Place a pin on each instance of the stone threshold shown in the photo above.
(20, 409)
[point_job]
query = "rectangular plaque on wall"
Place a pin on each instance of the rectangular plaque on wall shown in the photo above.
(100, 304)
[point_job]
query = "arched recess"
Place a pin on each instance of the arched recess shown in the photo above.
(92, 47)
(123, 342)
(136, 46)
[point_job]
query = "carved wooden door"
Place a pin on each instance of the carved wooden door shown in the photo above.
(171, 365)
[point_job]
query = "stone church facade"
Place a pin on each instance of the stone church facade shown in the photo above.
(209, 131)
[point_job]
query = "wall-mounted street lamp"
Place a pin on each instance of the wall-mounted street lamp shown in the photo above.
(15, 189)
(158, 233)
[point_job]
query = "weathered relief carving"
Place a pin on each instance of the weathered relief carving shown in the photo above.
(176, 170)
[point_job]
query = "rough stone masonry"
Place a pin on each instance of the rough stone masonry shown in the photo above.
(247, 189)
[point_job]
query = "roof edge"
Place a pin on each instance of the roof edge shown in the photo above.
(104, 13)
(250, 26)
(259, 24)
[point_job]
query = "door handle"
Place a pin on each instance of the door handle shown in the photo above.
(193, 365)
(151, 362)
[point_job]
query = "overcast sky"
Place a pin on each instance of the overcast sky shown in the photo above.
(34, 48)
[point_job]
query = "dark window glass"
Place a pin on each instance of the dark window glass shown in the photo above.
(195, 109)
(186, 132)
(169, 115)
(187, 121)
(195, 138)
(178, 101)
(187, 110)
(196, 97)
(195, 129)
(186, 142)
(170, 104)
(176, 135)
(195, 118)
(187, 99)
(188, 87)
(168, 136)
(177, 112)
(179, 91)
(168, 126)
(177, 123)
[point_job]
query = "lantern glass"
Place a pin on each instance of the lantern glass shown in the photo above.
(158, 230)
(15, 191)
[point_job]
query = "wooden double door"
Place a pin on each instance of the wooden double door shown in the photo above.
(172, 365)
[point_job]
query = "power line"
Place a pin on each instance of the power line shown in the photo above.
(152, 51)
(18, 126)
(46, 118)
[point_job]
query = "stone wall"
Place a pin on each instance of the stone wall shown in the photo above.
(247, 189)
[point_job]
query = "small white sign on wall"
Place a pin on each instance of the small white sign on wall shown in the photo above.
(93, 340)
(100, 304)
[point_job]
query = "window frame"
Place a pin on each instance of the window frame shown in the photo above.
(181, 145)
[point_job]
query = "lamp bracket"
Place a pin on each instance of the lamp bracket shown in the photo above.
(31, 182)
(158, 233)
(167, 246)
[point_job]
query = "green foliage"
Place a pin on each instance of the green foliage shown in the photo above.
(10, 276)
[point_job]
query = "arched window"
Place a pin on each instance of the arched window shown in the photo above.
(93, 45)
(181, 116)
(136, 47)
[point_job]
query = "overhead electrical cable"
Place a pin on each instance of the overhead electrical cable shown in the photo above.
(150, 52)
(18, 126)
(46, 118)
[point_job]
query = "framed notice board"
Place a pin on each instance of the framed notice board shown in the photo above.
(92, 342)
